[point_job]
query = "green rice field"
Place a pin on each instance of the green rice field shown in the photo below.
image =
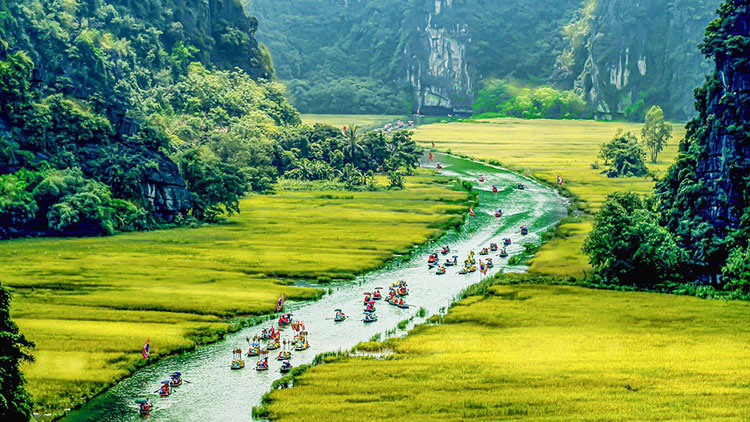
(544, 353)
(89, 304)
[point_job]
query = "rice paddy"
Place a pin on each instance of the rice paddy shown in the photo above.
(366, 121)
(545, 149)
(544, 353)
(91, 303)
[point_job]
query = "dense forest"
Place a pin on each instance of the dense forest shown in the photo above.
(618, 57)
(127, 115)
(695, 227)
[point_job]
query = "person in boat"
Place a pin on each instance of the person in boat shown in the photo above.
(446, 250)
(175, 379)
(165, 390)
(376, 295)
(401, 302)
(524, 230)
(493, 247)
(145, 405)
(264, 334)
(369, 307)
(494, 188)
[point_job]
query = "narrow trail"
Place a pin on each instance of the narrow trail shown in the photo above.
(217, 393)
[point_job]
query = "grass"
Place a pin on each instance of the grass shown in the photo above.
(89, 304)
(544, 149)
(545, 353)
(365, 121)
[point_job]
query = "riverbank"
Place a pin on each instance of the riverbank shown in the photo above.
(90, 304)
(544, 149)
(541, 352)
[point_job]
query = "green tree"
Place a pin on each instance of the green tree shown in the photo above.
(14, 349)
(627, 245)
(656, 132)
(216, 186)
(736, 272)
(625, 155)
(353, 148)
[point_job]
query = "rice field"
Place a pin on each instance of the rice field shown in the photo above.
(544, 353)
(89, 304)
(545, 149)
(365, 121)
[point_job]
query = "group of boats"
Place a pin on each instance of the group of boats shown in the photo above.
(396, 293)
(470, 263)
(269, 340)
(165, 390)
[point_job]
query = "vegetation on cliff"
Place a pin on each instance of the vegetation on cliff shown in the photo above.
(703, 203)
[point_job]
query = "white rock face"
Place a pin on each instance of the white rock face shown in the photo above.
(440, 74)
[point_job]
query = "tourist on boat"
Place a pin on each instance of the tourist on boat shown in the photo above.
(440, 270)
(144, 406)
(506, 241)
(376, 295)
(493, 247)
(446, 250)
(165, 389)
(175, 379)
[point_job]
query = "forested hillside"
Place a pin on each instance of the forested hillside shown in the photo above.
(131, 115)
(392, 56)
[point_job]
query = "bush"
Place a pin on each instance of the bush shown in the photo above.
(628, 247)
(499, 98)
(736, 271)
(625, 155)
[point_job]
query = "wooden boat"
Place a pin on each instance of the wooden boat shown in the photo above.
(237, 361)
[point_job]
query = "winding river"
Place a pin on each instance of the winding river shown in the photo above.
(216, 393)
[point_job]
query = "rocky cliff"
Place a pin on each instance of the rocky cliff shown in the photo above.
(435, 60)
(625, 56)
(705, 198)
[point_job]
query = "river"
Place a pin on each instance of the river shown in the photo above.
(216, 393)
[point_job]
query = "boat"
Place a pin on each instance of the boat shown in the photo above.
(494, 188)
(484, 251)
(376, 295)
(285, 319)
(340, 316)
(524, 230)
(262, 365)
(237, 361)
(481, 179)
(472, 268)
(144, 406)
(520, 186)
(432, 259)
(367, 297)
(506, 241)
(284, 355)
(402, 305)
(498, 213)
(165, 389)
(370, 318)
(489, 263)
(304, 345)
(503, 253)
(464, 270)
(175, 379)
(285, 367)
(440, 271)
(273, 345)
(493, 247)
(253, 351)
(446, 250)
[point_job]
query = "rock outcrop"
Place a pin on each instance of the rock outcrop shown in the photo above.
(705, 198)
(625, 56)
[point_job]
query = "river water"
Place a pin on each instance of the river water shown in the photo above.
(216, 393)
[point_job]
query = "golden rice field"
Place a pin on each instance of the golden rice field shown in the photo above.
(545, 353)
(545, 149)
(89, 304)
(367, 121)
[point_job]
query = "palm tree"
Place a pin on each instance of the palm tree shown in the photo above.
(353, 148)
